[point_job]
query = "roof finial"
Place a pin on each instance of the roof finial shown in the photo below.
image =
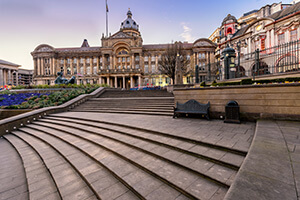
(129, 14)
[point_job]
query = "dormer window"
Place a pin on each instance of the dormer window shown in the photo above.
(127, 22)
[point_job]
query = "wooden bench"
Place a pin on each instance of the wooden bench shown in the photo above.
(192, 107)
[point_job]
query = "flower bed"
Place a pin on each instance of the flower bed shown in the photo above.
(11, 100)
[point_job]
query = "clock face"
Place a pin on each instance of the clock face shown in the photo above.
(258, 28)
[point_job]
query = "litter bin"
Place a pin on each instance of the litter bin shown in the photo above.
(232, 112)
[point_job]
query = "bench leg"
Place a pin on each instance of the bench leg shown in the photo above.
(207, 117)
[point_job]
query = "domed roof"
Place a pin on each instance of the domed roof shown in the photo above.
(229, 19)
(129, 23)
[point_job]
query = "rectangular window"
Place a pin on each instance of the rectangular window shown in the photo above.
(263, 44)
(146, 69)
(81, 60)
(293, 35)
(146, 59)
(75, 70)
(137, 66)
(153, 58)
(75, 60)
(153, 68)
(81, 70)
(281, 39)
(95, 70)
(188, 57)
(68, 60)
(95, 60)
(128, 59)
(88, 60)
(137, 58)
(101, 60)
(153, 81)
(88, 70)
(123, 59)
(62, 61)
(68, 70)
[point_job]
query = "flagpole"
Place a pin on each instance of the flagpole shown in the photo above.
(106, 19)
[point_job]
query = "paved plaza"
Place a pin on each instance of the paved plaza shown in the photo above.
(85, 155)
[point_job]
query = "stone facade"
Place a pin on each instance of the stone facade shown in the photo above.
(8, 73)
(267, 33)
(122, 61)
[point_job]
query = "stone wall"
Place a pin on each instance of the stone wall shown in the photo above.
(278, 101)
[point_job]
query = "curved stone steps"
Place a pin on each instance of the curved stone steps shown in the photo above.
(101, 181)
(218, 171)
(12, 173)
(41, 184)
(177, 176)
(208, 153)
(119, 166)
(68, 178)
(172, 138)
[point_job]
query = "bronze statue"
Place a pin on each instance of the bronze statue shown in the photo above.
(62, 80)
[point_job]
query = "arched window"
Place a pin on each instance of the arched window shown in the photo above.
(229, 30)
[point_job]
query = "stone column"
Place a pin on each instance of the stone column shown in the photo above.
(71, 66)
(17, 78)
(131, 82)
(84, 66)
(92, 65)
(78, 68)
(34, 66)
(1, 77)
(9, 77)
(42, 67)
(38, 66)
(132, 61)
(107, 80)
(100, 80)
(98, 60)
(140, 81)
(116, 82)
(65, 66)
(124, 82)
(54, 66)
(197, 58)
(111, 62)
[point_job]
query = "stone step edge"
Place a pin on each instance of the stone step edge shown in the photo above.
(125, 112)
(40, 157)
(67, 160)
(130, 109)
(145, 151)
(219, 147)
(223, 163)
(124, 158)
(131, 98)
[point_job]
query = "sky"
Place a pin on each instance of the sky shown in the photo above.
(25, 24)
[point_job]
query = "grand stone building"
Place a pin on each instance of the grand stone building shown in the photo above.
(273, 31)
(121, 61)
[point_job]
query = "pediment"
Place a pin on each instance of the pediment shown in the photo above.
(120, 35)
(202, 43)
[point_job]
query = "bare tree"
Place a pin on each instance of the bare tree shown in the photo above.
(173, 57)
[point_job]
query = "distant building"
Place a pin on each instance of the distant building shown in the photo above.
(8, 73)
(121, 61)
(274, 30)
(25, 77)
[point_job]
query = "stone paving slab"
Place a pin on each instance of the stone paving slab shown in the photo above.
(271, 169)
(12, 179)
(213, 132)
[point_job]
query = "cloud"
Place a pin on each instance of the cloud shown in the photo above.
(186, 35)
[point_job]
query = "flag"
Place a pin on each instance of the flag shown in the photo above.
(79, 74)
(107, 7)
